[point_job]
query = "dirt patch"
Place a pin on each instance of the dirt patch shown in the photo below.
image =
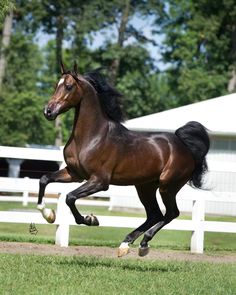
(106, 252)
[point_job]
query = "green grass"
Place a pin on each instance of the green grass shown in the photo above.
(36, 275)
(107, 236)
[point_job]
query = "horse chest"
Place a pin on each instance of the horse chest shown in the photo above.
(71, 156)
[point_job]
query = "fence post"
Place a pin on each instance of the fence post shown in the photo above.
(198, 217)
(25, 193)
(63, 227)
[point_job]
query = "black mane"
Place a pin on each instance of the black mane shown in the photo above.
(109, 97)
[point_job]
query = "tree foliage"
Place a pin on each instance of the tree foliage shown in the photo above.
(200, 46)
(199, 51)
(5, 7)
(21, 101)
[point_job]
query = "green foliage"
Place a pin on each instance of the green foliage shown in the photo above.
(199, 49)
(21, 104)
(199, 46)
(5, 7)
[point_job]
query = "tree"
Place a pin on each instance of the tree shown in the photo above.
(5, 7)
(21, 104)
(124, 55)
(118, 17)
(6, 13)
(51, 17)
(124, 18)
(6, 35)
(199, 47)
(32, 71)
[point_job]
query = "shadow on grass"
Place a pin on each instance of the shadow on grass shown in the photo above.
(128, 264)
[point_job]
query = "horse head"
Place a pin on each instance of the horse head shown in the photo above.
(68, 93)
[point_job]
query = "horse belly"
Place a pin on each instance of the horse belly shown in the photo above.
(136, 171)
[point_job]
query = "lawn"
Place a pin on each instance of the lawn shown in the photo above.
(60, 275)
(36, 275)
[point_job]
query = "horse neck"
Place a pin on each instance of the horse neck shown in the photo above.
(89, 118)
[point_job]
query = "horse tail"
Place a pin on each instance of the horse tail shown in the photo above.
(196, 138)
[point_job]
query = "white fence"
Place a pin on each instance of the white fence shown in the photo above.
(64, 219)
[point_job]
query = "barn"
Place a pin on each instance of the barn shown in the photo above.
(218, 116)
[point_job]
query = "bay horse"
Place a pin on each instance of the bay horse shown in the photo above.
(102, 151)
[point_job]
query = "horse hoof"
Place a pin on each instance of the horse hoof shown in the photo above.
(123, 249)
(49, 215)
(91, 220)
(143, 251)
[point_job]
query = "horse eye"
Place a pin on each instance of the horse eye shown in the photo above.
(68, 87)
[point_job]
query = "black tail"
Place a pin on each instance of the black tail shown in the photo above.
(195, 137)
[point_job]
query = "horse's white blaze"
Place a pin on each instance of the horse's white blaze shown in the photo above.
(65, 97)
(61, 81)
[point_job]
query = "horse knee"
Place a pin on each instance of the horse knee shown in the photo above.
(70, 199)
(44, 180)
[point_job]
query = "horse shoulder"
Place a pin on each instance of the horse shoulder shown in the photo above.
(71, 157)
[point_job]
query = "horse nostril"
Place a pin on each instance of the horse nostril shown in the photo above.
(50, 112)
(47, 112)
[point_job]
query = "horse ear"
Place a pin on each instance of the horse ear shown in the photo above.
(75, 68)
(63, 70)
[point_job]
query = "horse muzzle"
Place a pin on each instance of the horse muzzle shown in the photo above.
(50, 113)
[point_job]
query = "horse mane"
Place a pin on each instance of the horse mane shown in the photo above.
(109, 96)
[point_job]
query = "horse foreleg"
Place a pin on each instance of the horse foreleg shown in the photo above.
(93, 185)
(58, 176)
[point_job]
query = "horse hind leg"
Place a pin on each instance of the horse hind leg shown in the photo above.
(168, 193)
(147, 195)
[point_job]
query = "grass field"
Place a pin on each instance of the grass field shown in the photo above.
(36, 275)
(62, 275)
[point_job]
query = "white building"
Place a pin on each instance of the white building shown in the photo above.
(218, 115)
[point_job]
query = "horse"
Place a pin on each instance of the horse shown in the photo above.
(102, 151)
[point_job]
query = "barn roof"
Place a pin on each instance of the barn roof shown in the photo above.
(216, 114)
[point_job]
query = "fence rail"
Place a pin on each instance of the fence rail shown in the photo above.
(23, 187)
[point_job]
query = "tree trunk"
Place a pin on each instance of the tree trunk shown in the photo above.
(58, 127)
(232, 81)
(6, 36)
(59, 41)
(120, 42)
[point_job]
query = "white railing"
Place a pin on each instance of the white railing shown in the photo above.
(9, 152)
(64, 219)
(23, 188)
